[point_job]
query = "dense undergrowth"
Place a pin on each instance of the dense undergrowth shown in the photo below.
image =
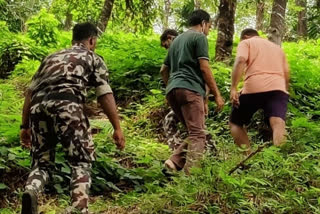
(277, 180)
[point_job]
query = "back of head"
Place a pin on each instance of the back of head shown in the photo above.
(248, 32)
(84, 31)
(197, 17)
(166, 33)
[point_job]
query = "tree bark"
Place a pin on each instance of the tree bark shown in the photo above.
(197, 4)
(260, 15)
(68, 21)
(302, 29)
(167, 11)
(224, 43)
(277, 23)
(105, 15)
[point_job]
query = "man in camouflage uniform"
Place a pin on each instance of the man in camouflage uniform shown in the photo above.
(170, 124)
(53, 112)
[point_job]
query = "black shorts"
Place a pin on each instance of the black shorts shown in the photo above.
(273, 103)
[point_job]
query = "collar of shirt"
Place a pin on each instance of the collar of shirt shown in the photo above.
(79, 45)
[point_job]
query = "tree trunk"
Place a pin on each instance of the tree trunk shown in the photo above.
(260, 15)
(167, 10)
(277, 23)
(68, 21)
(197, 4)
(224, 43)
(105, 14)
(302, 19)
(318, 4)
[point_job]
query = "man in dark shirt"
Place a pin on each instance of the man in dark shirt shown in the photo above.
(53, 112)
(186, 71)
(170, 123)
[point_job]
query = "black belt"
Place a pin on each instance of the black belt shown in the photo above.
(57, 96)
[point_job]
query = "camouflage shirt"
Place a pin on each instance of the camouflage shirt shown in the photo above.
(71, 71)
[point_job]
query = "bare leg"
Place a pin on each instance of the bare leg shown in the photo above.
(240, 137)
(278, 126)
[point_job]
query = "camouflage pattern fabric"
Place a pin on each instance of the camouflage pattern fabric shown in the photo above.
(71, 71)
(172, 133)
(54, 120)
(175, 137)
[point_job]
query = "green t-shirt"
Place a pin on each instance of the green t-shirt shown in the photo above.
(183, 62)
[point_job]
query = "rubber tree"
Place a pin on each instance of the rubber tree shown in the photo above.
(226, 17)
(302, 29)
(105, 15)
(260, 14)
(167, 13)
(277, 23)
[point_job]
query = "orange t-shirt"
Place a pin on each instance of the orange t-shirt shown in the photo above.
(266, 63)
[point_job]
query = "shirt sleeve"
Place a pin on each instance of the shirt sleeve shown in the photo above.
(202, 48)
(243, 50)
(37, 76)
(100, 78)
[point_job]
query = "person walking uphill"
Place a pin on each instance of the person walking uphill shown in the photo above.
(53, 112)
(170, 122)
(185, 72)
(266, 85)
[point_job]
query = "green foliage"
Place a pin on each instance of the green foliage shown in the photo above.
(43, 28)
(184, 12)
(277, 180)
(4, 28)
(15, 13)
(10, 108)
(134, 15)
(81, 11)
(13, 50)
(134, 63)
(314, 22)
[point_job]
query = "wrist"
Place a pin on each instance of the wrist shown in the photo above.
(233, 88)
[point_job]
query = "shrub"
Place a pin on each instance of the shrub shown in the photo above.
(134, 63)
(12, 51)
(43, 28)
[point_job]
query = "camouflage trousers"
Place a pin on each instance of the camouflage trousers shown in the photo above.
(64, 122)
(175, 137)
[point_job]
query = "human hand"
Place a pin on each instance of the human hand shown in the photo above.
(25, 138)
(220, 103)
(119, 139)
(206, 107)
(234, 98)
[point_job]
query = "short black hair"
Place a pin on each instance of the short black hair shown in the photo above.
(249, 32)
(84, 31)
(197, 17)
(166, 33)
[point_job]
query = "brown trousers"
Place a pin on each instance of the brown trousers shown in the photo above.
(189, 108)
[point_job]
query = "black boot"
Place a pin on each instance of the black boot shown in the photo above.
(29, 203)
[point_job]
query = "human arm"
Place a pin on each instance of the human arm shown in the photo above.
(206, 101)
(164, 71)
(211, 83)
(236, 75)
(25, 132)
(286, 73)
(106, 100)
(109, 107)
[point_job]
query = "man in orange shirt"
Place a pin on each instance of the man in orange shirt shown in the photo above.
(266, 84)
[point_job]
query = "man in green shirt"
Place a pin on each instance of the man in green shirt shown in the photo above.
(186, 71)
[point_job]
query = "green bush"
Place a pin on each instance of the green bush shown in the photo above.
(13, 50)
(43, 28)
(134, 63)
